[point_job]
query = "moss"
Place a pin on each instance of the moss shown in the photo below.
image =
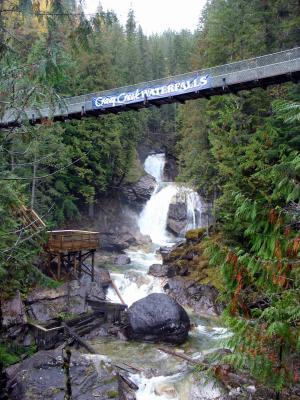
(214, 277)
(195, 234)
(112, 394)
(12, 354)
(109, 381)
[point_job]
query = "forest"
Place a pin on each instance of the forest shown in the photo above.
(240, 152)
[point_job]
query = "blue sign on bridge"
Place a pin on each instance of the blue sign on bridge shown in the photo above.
(151, 93)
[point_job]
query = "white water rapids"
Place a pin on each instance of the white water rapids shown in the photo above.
(173, 378)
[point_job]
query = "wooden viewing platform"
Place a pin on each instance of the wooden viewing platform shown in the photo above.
(71, 240)
(69, 250)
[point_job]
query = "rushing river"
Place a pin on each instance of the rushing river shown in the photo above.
(158, 375)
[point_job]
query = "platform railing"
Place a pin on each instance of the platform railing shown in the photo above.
(72, 240)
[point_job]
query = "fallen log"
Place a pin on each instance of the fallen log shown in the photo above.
(134, 368)
(127, 367)
(81, 341)
(118, 292)
(183, 356)
(128, 382)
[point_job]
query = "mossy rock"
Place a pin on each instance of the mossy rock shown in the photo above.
(194, 235)
(112, 394)
(214, 277)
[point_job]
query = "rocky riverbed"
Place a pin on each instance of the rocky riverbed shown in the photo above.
(172, 298)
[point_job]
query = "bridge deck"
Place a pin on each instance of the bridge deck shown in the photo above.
(229, 78)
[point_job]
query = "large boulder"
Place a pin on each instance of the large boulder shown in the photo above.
(138, 193)
(203, 299)
(42, 377)
(158, 318)
(177, 218)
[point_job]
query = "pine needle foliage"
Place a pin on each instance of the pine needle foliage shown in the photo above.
(261, 269)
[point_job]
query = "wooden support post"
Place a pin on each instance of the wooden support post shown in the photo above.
(93, 267)
(59, 266)
(79, 266)
(71, 332)
(69, 263)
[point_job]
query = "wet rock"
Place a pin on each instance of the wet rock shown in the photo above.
(138, 278)
(170, 169)
(13, 312)
(117, 241)
(158, 318)
(160, 271)
(201, 298)
(177, 218)
(13, 320)
(104, 277)
(70, 298)
(166, 389)
(122, 260)
(164, 251)
(42, 377)
(137, 194)
(194, 236)
(127, 388)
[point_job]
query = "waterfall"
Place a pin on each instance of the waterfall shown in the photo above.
(173, 380)
(153, 219)
(154, 165)
(194, 207)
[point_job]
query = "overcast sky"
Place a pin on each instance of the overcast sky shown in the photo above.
(155, 15)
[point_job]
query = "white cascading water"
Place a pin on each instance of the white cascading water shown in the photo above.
(153, 219)
(134, 283)
(154, 165)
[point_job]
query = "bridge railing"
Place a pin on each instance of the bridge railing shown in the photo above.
(237, 66)
(246, 70)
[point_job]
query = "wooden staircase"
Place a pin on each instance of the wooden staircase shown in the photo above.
(31, 219)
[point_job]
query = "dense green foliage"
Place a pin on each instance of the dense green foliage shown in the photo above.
(50, 50)
(242, 153)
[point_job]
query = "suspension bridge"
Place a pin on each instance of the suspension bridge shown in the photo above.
(247, 74)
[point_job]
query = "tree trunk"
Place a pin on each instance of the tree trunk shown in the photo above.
(92, 209)
(33, 182)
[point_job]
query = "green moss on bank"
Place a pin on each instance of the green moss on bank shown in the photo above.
(12, 354)
(191, 254)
